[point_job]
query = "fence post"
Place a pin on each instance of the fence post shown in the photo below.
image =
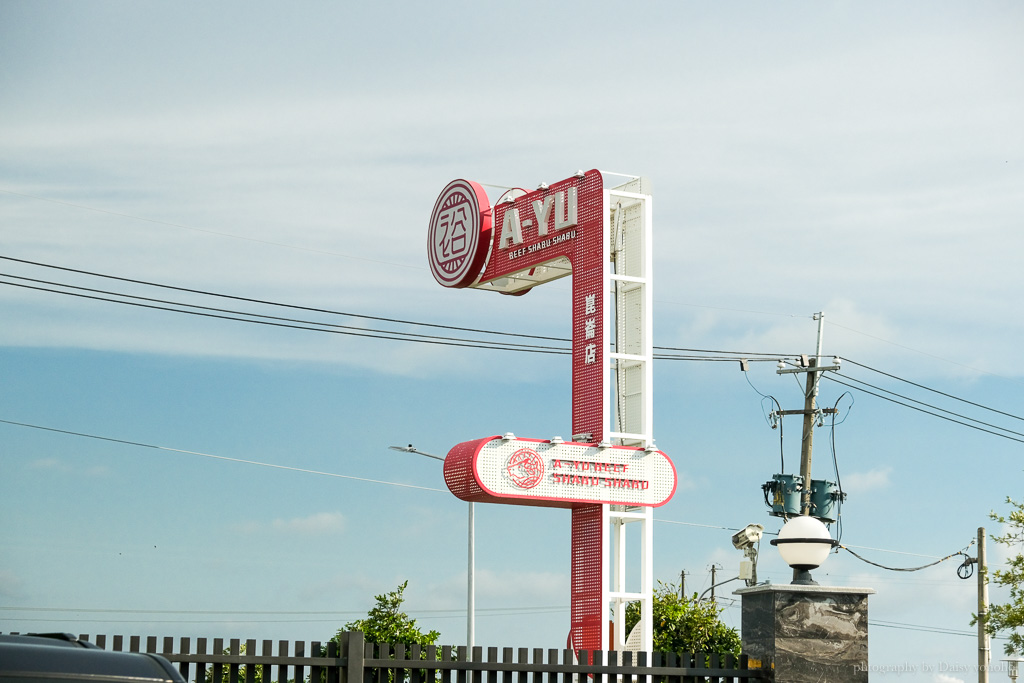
(250, 669)
(315, 669)
(354, 657)
(235, 648)
(282, 669)
(186, 648)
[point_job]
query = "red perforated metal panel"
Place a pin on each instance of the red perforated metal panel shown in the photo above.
(586, 578)
(458, 470)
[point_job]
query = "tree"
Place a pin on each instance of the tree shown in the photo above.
(685, 624)
(1009, 617)
(387, 623)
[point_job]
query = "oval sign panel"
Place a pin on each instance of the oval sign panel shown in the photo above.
(558, 474)
(459, 237)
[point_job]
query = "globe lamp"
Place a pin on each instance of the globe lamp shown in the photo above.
(804, 543)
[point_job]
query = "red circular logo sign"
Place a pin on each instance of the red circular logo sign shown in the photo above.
(460, 234)
(525, 468)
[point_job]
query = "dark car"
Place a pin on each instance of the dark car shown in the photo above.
(51, 658)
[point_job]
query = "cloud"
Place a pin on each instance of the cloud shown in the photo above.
(60, 466)
(862, 482)
(10, 584)
(318, 524)
(49, 465)
(542, 588)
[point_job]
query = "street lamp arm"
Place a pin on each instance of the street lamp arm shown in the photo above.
(411, 449)
(720, 583)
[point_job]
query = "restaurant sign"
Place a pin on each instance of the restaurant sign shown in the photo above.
(558, 473)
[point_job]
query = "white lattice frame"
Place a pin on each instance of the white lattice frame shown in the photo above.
(617, 517)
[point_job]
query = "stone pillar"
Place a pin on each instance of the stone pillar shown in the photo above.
(807, 633)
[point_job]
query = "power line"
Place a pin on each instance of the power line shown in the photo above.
(908, 569)
(918, 627)
(928, 405)
(725, 355)
(941, 393)
(217, 457)
(675, 353)
(310, 471)
(276, 303)
(926, 412)
(226, 314)
(313, 326)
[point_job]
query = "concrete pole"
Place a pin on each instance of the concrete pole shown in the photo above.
(807, 444)
(983, 642)
(810, 407)
(820, 317)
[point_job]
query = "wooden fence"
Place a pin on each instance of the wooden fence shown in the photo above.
(354, 661)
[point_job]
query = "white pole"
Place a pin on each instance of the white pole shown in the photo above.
(471, 585)
(471, 559)
(983, 645)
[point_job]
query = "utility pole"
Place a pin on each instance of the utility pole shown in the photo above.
(983, 642)
(682, 584)
(713, 567)
(813, 368)
(810, 416)
(807, 444)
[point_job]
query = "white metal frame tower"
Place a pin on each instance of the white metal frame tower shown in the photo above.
(629, 407)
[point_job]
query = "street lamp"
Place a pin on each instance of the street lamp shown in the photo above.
(471, 561)
(804, 543)
(1011, 667)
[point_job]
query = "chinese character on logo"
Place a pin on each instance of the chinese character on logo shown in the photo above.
(589, 328)
(590, 354)
(453, 240)
(591, 304)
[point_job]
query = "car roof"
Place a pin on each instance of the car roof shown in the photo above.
(66, 639)
(25, 659)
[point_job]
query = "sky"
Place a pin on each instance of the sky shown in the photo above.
(864, 160)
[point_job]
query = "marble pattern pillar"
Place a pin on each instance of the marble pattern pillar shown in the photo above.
(807, 633)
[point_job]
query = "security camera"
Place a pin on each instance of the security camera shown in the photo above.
(748, 537)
